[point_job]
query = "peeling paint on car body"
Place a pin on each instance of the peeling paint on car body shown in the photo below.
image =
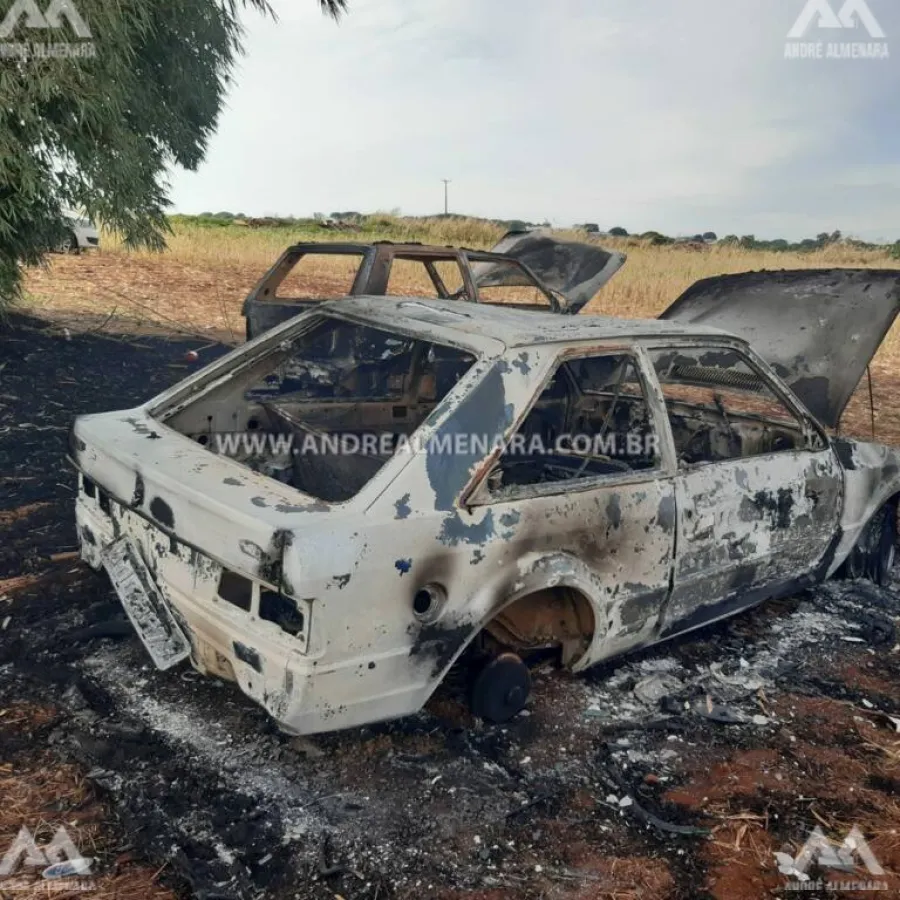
(309, 605)
(403, 508)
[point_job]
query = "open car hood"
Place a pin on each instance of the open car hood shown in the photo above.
(575, 270)
(817, 328)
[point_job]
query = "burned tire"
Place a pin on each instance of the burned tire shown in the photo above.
(873, 555)
(501, 688)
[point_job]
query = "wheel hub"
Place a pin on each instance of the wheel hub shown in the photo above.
(501, 688)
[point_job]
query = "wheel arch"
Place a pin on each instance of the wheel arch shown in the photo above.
(556, 576)
(871, 480)
(857, 559)
(560, 615)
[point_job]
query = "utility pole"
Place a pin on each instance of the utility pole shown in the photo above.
(446, 206)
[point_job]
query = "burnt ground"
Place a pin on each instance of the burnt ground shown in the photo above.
(675, 773)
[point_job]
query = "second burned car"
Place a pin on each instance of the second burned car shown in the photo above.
(333, 514)
(528, 269)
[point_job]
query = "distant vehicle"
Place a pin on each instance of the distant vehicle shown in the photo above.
(82, 235)
(529, 270)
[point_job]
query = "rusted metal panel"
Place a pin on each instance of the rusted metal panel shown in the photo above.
(575, 269)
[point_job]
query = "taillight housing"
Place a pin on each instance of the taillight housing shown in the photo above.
(267, 605)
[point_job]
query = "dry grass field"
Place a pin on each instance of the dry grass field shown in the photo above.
(199, 283)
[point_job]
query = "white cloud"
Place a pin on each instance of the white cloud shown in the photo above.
(679, 117)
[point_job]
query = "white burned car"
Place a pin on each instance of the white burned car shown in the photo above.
(333, 513)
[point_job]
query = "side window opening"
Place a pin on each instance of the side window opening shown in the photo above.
(423, 277)
(721, 408)
(320, 276)
(590, 421)
(450, 274)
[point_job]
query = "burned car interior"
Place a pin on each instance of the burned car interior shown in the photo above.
(600, 398)
(721, 408)
(334, 381)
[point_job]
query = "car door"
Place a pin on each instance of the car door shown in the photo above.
(582, 493)
(758, 489)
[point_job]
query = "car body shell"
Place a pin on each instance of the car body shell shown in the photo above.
(566, 273)
(630, 548)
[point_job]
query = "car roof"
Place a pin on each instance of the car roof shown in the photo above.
(413, 248)
(506, 324)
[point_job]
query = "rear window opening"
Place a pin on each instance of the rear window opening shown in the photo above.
(324, 412)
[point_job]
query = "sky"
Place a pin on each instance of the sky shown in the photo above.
(680, 117)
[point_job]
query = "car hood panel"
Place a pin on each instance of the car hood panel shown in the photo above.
(817, 328)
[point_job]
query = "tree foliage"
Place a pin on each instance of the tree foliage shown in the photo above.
(96, 134)
(656, 239)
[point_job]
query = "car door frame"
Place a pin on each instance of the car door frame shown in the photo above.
(635, 609)
(742, 596)
(263, 309)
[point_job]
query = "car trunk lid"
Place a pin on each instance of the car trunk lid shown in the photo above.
(238, 517)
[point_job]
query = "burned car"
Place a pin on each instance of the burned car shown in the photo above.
(333, 514)
(531, 269)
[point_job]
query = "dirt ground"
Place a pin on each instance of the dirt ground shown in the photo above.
(676, 773)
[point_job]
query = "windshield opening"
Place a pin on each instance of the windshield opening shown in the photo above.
(316, 276)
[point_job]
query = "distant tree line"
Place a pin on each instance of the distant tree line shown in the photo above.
(750, 241)
(807, 245)
(350, 217)
(654, 238)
